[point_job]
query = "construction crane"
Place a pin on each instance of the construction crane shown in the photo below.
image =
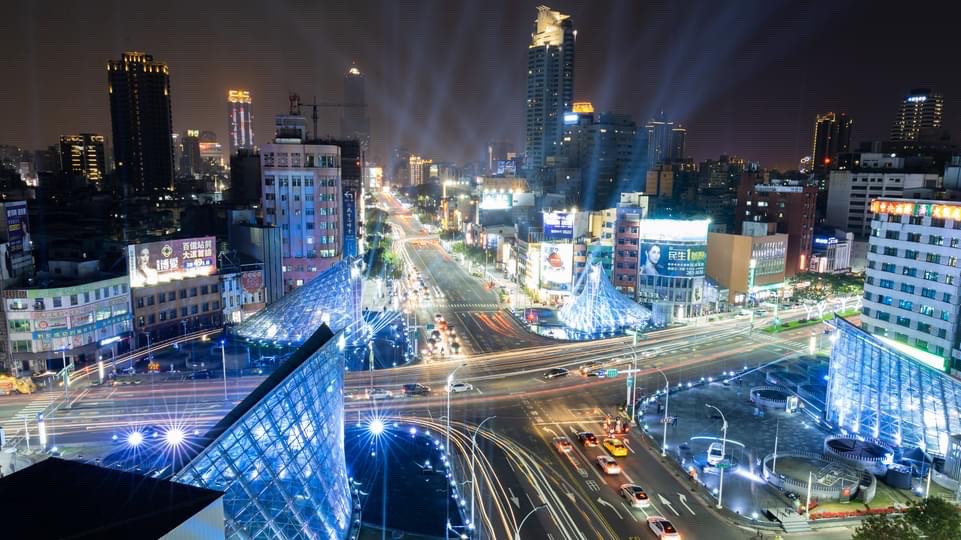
(295, 108)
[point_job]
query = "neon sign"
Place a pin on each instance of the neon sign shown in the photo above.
(908, 208)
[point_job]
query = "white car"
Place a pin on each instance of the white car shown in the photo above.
(378, 393)
(663, 528)
(635, 494)
(608, 465)
(460, 387)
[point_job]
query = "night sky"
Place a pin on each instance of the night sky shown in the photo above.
(444, 77)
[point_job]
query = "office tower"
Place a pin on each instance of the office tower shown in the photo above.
(550, 83)
(83, 155)
(302, 196)
(911, 283)
(832, 136)
(601, 146)
(355, 124)
(190, 159)
(211, 151)
(920, 111)
(142, 122)
(665, 141)
(245, 178)
(790, 205)
(240, 120)
(416, 170)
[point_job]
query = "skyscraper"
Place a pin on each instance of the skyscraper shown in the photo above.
(83, 155)
(355, 124)
(240, 120)
(920, 111)
(190, 160)
(665, 141)
(550, 83)
(832, 136)
(142, 122)
(301, 190)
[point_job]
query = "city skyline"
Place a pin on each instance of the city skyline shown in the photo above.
(726, 86)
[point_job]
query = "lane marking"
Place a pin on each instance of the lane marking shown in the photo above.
(628, 510)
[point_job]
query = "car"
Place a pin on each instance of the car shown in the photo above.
(615, 447)
(556, 372)
(378, 393)
(599, 373)
(196, 375)
(608, 465)
(587, 438)
(460, 387)
(635, 494)
(760, 312)
(715, 453)
(663, 528)
(563, 444)
(416, 389)
(743, 314)
(589, 367)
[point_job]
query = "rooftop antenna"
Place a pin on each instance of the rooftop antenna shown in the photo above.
(294, 104)
(314, 117)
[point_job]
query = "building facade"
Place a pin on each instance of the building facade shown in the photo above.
(750, 268)
(831, 253)
(791, 206)
(64, 320)
(911, 288)
(550, 83)
(83, 155)
(142, 122)
(671, 264)
(240, 120)
(921, 111)
(832, 136)
(302, 195)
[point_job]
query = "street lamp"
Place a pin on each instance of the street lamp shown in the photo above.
(223, 358)
(720, 489)
(667, 401)
(450, 389)
(517, 533)
(473, 477)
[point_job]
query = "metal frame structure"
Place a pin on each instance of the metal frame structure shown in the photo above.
(279, 455)
(879, 390)
(596, 306)
(332, 298)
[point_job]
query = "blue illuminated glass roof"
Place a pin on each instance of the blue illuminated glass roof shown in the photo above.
(596, 306)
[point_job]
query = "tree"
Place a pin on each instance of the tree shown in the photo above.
(937, 518)
(888, 528)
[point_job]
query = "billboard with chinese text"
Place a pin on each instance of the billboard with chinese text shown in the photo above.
(559, 226)
(18, 230)
(162, 262)
(676, 260)
(557, 266)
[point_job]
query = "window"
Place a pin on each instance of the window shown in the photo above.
(57, 301)
(888, 267)
(906, 304)
(204, 289)
(890, 251)
(150, 300)
(213, 288)
(911, 254)
(22, 346)
(183, 312)
(930, 276)
(206, 306)
(163, 316)
(946, 298)
(19, 325)
(914, 237)
(193, 309)
(905, 288)
(161, 298)
(936, 240)
(924, 327)
(886, 284)
(883, 316)
(892, 235)
(217, 304)
(886, 300)
(193, 292)
(183, 293)
(926, 310)
(912, 272)
(151, 319)
(73, 300)
(903, 321)
(928, 293)
(952, 261)
(949, 280)
(942, 333)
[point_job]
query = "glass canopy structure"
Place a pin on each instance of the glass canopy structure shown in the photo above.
(279, 455)
(332, 298)
(878, 388)
(596, 306)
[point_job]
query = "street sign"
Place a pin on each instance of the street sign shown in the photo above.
(612, 372)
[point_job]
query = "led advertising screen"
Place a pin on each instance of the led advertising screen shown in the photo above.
(557, 266)
(18, 232)
(350, 222)
(497, 200)
(161, 262)
(676, 260)
(559, 226)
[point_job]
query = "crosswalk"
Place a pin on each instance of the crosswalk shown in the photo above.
(472, 306)
(36, 405)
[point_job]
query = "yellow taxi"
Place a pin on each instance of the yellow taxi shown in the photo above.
(615, 447)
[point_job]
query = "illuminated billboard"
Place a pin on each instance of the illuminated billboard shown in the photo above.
(675, 230)
(18, 231)
(559, 226)
(497, 200)
(557, 266)
(676, 260)
(162, 262)
(912, 208)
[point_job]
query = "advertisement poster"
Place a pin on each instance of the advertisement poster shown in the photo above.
(496, 200)
(558, 226)
(252, 281)
(350, 223)
(18, 229)
(557, 266)
(161, 262)
(675, 260)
